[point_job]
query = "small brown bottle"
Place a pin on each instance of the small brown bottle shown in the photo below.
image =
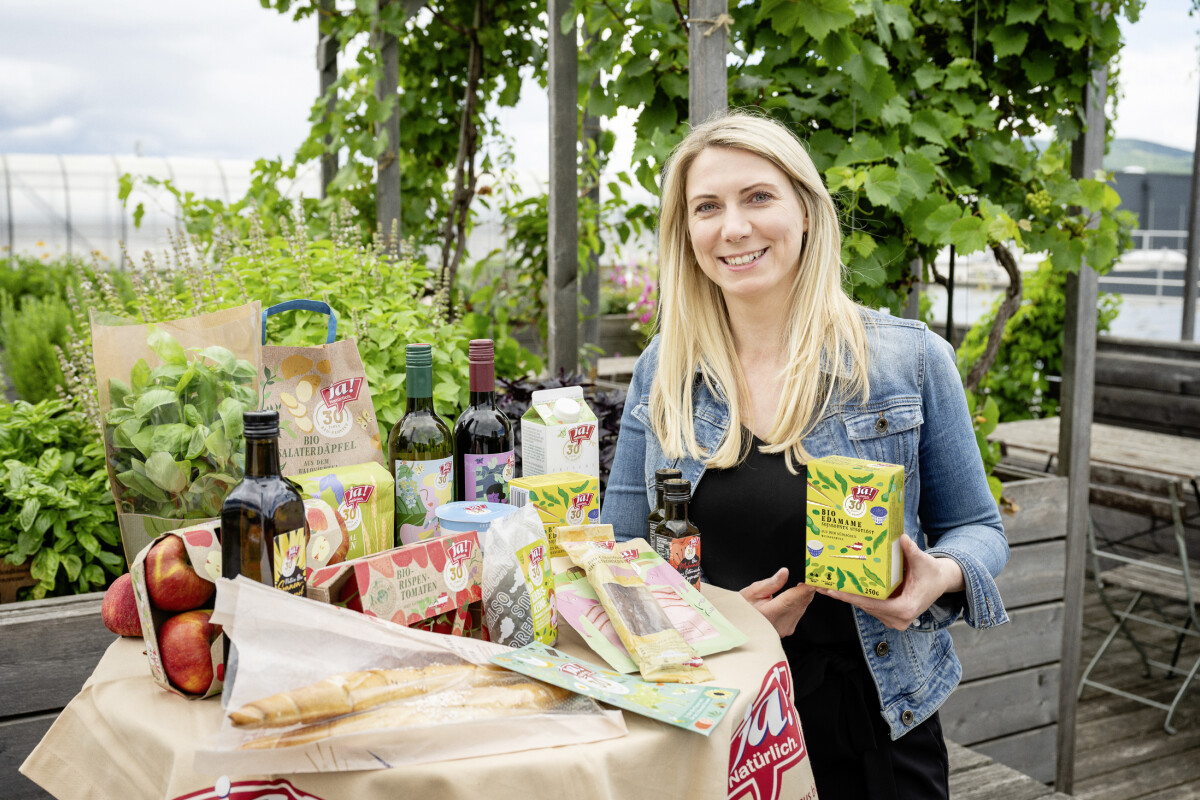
(676, 539)
(264, 533)
(656, 514)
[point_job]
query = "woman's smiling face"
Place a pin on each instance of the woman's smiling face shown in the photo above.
(745, 223)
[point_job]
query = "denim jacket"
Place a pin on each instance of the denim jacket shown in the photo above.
(916, 416)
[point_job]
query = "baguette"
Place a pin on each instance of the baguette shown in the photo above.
(484, 702)
(348, 692)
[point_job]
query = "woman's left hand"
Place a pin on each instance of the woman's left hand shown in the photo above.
(926, 578)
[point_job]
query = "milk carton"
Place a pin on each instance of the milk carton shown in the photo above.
(854, 522)
(559, 434)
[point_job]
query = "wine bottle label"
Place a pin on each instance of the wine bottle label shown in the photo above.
(487, 476)
(421, 486)
(287, 572)
(684, 555)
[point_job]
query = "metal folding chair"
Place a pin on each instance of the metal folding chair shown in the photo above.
(1161, 581)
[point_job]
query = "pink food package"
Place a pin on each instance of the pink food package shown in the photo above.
(697, 620)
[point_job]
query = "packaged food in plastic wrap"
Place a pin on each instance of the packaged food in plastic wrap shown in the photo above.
(655, 645)
(324, 689)
(518, 585)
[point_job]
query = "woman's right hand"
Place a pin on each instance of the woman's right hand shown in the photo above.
(783, 608)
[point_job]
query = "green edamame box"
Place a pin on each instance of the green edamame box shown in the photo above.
(855, 519)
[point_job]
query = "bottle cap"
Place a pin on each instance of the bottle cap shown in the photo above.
(677, 489)
(665, 474)
(260, 424)
(566, 409)
(418, 355)
(481, 351)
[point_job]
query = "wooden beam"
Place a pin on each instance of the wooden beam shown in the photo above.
(708, 25)
(912, 307)
(562, 346)
(589, 281)
(387, 178)
(1075, 434)
(1192, 266)
(327, 50)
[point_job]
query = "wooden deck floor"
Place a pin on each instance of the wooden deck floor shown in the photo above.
(1122, 751)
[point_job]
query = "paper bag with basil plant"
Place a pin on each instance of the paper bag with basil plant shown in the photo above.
(171, 397)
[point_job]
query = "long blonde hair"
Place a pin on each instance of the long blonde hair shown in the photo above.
(695, 337)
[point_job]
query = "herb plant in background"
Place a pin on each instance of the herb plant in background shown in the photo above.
(175, 431)
(56, 511)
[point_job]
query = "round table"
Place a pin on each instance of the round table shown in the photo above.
(123, 737)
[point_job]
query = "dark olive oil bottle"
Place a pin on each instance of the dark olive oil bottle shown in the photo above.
(656, 514)
(264, 533)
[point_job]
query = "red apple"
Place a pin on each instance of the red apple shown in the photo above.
(119, 609)
(170, 579)
(185, 642)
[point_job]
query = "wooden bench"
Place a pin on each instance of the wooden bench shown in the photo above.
(50, 647)
(1148, 385)
(1006, 707)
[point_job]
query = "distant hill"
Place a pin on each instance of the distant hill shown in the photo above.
(1126, 153)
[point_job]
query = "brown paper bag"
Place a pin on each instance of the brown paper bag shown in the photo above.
(171, 397)
(326, 417)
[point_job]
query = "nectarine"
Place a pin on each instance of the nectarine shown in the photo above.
(185, 642)
(119, 609)
(172, 583)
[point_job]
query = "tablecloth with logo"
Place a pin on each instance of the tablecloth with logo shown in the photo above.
(122, 737)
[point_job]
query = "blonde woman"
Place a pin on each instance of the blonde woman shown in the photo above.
(761, 362)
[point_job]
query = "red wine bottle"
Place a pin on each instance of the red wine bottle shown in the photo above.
(484, 456)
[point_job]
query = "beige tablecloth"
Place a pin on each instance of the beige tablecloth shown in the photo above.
(124, 738)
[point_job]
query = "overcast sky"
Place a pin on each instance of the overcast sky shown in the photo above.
(228, 79)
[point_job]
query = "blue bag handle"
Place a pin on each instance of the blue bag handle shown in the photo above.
(318, 306)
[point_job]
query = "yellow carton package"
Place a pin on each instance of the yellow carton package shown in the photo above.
(855, 518)
(362, 494)
(561, 498)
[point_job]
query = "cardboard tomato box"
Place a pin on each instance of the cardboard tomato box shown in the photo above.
(432, 584)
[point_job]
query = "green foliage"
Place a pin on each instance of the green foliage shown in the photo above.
(29, 334)
(175, 430)
(382, 299)
(25, 276)
(56, 511)
(916, 113)
(985, 415)
(434, 52)
(1031, 348)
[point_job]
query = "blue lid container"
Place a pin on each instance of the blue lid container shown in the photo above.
(470, 515)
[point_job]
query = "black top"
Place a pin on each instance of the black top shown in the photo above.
(752, 522)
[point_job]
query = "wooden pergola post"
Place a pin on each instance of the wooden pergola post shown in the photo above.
(1075, 436)
(387, 179)
(327, 50)
(589, 282)
(1191, 270)
(562, 345)
(708, 23)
